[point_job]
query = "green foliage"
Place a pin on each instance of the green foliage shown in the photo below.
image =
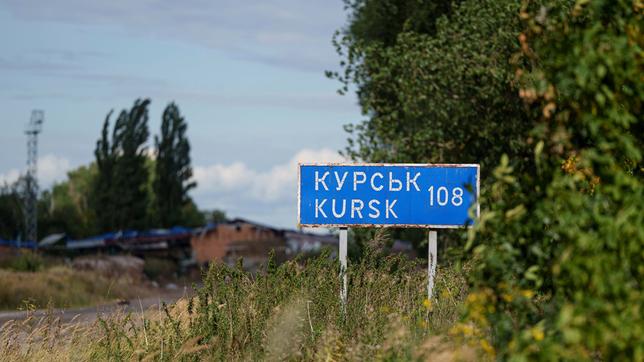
(292, 311)
(191, 216)
(382, 21)
(133, 191)
(102, 192)
(289, 311)
(67, 207)
(11, 214)
(121, 194)
(173, 171)
(434, 80)
(559, 251)
(555, 87)
(437, 89)
(215, 216)
(157, 268)
(23, 262)
(130, 174)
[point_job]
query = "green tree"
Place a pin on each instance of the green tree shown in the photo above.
(191, 215)
(121, 190)
(11, 212)
(435, 83)
(559, 251)
(173, 170)
(434, 80)
(67, 207)
(216, 216)
(102, 198)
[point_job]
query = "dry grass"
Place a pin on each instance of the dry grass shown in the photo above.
(290, 313)
(61, 286)
(46, 339)
(162, 335)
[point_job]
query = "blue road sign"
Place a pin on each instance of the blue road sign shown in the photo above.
(388, 195)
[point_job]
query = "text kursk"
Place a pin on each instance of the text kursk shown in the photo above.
(378, 181)
(355, 181)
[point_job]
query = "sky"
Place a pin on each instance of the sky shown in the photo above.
(247, 75)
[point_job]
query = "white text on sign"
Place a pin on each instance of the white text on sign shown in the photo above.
(387, 194)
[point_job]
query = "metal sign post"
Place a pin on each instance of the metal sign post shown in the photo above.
(388, 195)
(432, 261)
(343, 267)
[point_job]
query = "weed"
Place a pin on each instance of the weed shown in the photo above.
(286, 312)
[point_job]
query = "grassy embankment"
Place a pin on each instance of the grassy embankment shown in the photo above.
(288, 312)
(29, 281)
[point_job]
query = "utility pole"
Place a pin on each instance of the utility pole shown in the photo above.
(34, 127)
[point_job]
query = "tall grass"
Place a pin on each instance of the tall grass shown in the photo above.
(46, 339)
(286, 312)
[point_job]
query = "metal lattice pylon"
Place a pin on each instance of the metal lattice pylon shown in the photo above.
(31, 179)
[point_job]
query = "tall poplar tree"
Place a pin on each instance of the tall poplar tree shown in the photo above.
(121, 192)
(173, 168)
(102, 201)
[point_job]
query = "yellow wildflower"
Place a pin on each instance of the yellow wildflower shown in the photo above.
(467, 330)
(461, 329)
(537, 334)
(487, 347)
(527, 293)
(427, 304)
(512, 346)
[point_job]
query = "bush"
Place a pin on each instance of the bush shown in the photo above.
(559, 250)
(157, 268)
(26, 261)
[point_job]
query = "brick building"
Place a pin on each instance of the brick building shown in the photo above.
(236, 238)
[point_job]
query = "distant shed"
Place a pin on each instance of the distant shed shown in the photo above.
(299, 242)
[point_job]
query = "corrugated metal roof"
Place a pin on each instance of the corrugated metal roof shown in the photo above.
(51, 239)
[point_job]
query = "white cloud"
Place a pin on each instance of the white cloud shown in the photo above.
(246, 192)
(267, 186)
(9, 177)
(51, 168)
(220, 177)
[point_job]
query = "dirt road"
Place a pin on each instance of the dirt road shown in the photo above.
(90, 314)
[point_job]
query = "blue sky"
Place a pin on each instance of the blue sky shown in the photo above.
(247, 75)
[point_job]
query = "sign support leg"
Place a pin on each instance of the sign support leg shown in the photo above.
(343, 267)
(432, 260)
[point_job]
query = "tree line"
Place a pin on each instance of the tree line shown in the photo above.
(128, 186)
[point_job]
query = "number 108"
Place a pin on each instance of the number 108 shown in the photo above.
(442, 196)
